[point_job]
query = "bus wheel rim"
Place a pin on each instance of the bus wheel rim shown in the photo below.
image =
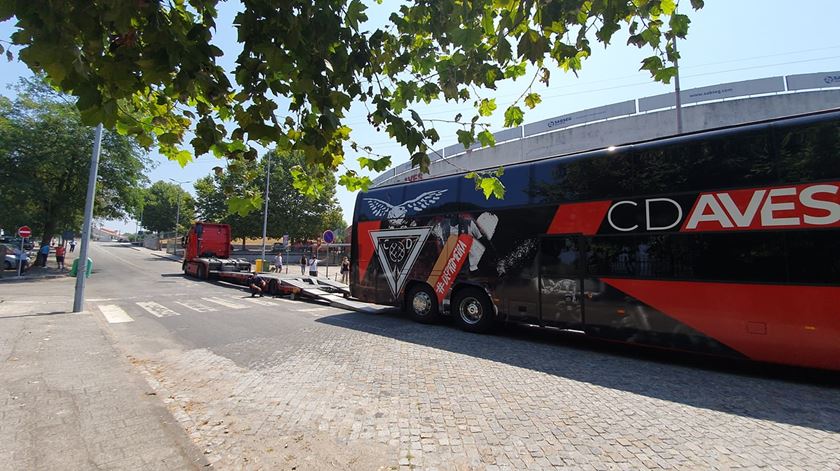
(471, 310)
(422, 303)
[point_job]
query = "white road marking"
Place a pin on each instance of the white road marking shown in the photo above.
(114, 314)
(260, 301)
(314, 309)
(225, 303)
(196, 306)
(157, 310)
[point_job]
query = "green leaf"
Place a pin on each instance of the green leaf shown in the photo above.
(487, 107)
(532, 99)
(492, 186)
(513, 116)
(466, 138)
(486, 138)
(242, 205)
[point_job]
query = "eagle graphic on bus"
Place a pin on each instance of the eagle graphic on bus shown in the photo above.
(396, 213)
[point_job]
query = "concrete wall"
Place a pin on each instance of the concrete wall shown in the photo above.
(629, 129)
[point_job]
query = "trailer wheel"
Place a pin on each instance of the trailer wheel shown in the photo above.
(473, 311)
(422, 305)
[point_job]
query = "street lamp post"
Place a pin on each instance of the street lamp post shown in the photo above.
(265, 211)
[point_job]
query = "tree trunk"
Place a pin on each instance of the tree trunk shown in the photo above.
(243, 244)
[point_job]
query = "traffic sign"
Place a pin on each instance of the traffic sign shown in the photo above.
(25, 232)
(329, 237)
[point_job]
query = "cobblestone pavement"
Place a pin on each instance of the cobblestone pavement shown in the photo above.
(382, 391)
(67, 399)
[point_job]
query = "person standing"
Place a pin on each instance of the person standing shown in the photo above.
(303, 264)
(59, 256)
(43, 254)
(72, 245)
(345, 270)
(313, 266)
(278, 263)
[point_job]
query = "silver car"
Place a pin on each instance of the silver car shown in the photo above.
(13, 254)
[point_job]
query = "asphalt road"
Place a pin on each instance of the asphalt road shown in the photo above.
(273, 383)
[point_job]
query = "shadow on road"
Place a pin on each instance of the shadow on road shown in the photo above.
(805, 398)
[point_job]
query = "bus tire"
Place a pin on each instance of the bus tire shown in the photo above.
(473, 310)
(422, 305)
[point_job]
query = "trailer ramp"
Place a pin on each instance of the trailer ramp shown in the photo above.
(332, 293)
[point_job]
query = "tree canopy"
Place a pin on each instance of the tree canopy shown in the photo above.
(291, 212)
(45, 160)
(150, 69)
(163, 204)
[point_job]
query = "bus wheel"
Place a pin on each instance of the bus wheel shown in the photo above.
(472, 310)
(422, 305)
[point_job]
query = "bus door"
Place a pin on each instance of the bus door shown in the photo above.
(561, 281)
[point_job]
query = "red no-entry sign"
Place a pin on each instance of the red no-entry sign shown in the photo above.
(25, 232)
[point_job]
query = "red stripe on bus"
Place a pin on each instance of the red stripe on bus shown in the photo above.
(579, 218)
(366, 248)
(796, 325)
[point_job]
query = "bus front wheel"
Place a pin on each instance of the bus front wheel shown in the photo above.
(422, 305)
(473, 311)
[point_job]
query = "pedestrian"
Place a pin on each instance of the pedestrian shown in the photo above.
(345, 270)
(59, 256)
(257, 284)
(313, 266)
(278, 263)
(72, 245)
(3, 252)
(43, 254)
(303, 264)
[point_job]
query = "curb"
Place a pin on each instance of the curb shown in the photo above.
(15, 279)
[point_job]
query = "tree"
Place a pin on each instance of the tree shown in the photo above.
(45, 161)
(289, 212)
(149, 69)
(164, 203)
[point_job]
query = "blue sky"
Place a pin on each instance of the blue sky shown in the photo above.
(728, 41)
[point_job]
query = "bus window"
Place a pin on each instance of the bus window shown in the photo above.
(814, 257)
(609, 175)
(722, 162)
(809, 153)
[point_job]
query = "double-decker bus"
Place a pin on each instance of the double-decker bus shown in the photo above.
(723, 242)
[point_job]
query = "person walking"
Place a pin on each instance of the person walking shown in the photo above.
(303, 264)
(278, 263)
(72, 245)
(3, 252)
(345, 270)
(59, 256)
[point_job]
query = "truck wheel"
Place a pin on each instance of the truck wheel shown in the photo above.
(422, 305)
(201, 273)
(473, 311)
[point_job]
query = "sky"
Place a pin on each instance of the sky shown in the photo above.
(728, 41)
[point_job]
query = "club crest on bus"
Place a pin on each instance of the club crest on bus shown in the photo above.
(396, 213)
(397, 251)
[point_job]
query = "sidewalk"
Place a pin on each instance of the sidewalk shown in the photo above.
(69, 400)
(40, 273)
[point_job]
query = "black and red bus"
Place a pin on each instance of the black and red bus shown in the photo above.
(724, 242)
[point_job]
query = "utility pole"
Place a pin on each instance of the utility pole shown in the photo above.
(81, 269)
(677, 88)
(265, 211)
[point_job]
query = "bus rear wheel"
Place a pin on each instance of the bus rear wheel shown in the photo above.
(473, 311)
(421, 304)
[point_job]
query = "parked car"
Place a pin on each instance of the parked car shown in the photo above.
(13, 253)
(278, 247)
(15, 241)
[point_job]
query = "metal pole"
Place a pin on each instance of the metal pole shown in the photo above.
(677, 90)
(81, 268)
(177, 221)
(265, 211)
(20, 257)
